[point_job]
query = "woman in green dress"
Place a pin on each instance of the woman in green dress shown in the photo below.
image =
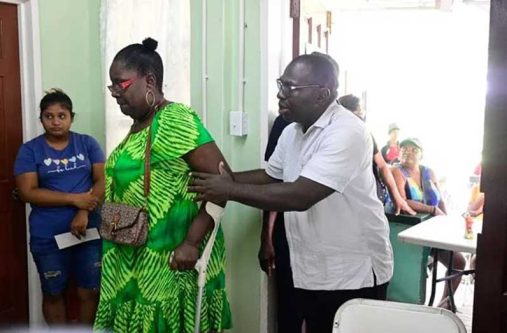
(142, 289)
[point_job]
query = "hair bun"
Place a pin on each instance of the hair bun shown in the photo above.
(150, 43)
(53, 91)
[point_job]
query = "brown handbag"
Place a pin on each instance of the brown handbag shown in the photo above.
(125, 224)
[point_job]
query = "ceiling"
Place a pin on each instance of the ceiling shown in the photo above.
(324, 5)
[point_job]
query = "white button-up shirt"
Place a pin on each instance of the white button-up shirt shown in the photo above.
(341, 241)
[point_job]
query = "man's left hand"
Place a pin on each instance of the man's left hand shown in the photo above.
(212, 187)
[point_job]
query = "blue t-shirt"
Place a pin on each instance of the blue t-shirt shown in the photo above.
(68, 170)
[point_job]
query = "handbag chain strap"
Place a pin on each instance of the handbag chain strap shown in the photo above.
(147, 154)
(147, 157)
(147, 168)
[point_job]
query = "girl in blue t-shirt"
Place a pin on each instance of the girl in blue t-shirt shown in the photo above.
(61, 174)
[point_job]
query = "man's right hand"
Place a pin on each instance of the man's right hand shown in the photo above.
(401, 205)
(85, 200)
(267, 257)
(79, 224)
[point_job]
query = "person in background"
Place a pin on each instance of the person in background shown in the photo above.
(418, 185)
(381, 170)
(476, 202)
(61, 174)
(391, 151)
(274, 252)
(153, 288)
(320, 176)
(476, 205)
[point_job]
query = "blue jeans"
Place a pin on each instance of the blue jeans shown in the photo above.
(82, 262)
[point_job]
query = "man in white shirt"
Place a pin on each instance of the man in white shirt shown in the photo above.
(320, 176)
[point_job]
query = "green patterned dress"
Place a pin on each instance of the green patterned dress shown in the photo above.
(139, 292)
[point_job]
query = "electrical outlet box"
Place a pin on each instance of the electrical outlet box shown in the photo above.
(238, 123)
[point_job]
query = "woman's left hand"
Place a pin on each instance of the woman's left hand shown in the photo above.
(438, 211)
(184, 257)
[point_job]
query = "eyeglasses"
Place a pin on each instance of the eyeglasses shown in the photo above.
(121, 87)
(287, 89)
(411, 149)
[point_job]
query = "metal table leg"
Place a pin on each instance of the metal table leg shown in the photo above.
(434, 277)
(450, 274)
(450, 271)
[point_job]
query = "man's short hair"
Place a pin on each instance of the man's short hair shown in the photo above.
(324, 69)
(350, 102)
(330, 60)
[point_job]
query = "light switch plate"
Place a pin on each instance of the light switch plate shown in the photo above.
(238, 123)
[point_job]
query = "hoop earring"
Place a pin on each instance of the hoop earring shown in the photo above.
(152, 102)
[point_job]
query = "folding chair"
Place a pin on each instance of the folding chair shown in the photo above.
(373, 316)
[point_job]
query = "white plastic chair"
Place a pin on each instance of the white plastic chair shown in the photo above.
(372, 316)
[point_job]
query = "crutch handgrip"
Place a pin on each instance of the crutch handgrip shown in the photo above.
(216, 212)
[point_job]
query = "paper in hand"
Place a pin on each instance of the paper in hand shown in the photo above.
(67, 239)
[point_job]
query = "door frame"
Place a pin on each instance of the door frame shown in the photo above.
(31, 92)
(275, 53)
(490, 301)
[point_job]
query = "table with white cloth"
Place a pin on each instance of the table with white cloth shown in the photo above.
(443, 232)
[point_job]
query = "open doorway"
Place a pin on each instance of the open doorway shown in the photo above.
(423, 66)
(425, 70)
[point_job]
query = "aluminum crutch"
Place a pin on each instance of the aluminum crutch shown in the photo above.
(216, 212)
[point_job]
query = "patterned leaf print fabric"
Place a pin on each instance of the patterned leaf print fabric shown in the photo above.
(139, 293)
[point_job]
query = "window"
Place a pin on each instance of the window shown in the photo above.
(319, 35)
(310, 28)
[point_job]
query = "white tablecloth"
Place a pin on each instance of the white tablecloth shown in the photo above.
(446, 232)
